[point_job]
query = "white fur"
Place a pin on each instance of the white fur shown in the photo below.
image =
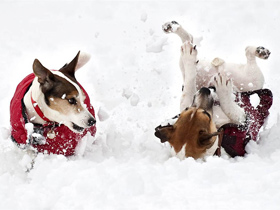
(245, 77)
(181, 155)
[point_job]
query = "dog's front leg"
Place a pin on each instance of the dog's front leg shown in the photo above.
(224, 91)
(188, 58)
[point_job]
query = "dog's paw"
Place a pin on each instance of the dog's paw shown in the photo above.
(189, 52)
(38, 139)
(223, 86)
(170, 27)
(262, 52)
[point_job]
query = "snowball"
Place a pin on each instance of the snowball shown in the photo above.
(144, 16)
(5, 133)
(127, 93)
(102, 114)
(134, 100)
(250, 84)
(29, 128)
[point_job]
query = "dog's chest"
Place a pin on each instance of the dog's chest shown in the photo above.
(219, 117)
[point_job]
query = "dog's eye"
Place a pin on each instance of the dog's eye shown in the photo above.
(72, 101)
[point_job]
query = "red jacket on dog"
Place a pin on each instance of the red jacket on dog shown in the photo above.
(65, 140)
(236, 137)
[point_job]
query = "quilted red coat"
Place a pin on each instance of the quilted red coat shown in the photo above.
(235, 137)
(65, 140)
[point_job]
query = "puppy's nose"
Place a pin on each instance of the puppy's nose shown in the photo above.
(91, 121)
(204, 91)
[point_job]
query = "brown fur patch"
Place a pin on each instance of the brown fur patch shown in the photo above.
(193, 128)
(57, 97)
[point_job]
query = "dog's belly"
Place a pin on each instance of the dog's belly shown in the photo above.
(245, 77)
(205, 74)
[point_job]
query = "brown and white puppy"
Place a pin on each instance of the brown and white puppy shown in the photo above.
(59, 96)
(194, 134)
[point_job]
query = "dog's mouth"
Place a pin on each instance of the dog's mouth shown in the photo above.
(77, 128)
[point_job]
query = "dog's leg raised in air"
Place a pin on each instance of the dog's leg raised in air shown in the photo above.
(188, 58)
(176, 28)
(224, 91)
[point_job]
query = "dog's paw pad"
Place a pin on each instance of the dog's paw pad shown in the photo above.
(262, 52)
(170, 27)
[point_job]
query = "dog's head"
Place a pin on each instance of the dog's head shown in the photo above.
(62, 96)
(194, 131)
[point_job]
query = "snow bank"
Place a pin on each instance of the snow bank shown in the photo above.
(134, 83)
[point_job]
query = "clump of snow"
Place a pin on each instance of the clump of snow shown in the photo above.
(144, 16)
(102, 114)
(127, 93)
(134, 99)
(156, 44)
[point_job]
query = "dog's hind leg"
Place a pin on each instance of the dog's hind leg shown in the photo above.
(174, 27)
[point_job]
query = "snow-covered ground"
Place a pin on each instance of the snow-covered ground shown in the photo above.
(134, 83)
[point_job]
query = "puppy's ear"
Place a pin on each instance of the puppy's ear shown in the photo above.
(164, 132)
(70, 68)
(45, 76)
(205, 138)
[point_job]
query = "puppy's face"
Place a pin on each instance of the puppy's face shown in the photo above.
(63, 96)
(194, 131)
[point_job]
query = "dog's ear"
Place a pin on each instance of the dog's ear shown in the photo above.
(45, 76)
(164, 132)
(205, 138)
(70, 68)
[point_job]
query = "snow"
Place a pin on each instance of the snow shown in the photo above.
(134, 78)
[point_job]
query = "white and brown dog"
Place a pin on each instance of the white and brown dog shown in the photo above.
(55, 105)
(194, 133)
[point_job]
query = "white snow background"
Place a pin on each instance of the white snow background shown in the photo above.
(134, 83)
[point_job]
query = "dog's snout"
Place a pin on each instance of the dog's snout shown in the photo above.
(204, 91)
(91, 121)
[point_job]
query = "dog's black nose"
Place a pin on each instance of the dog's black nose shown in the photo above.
(204, 91)
(91, 121)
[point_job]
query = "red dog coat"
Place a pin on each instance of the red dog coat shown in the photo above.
(65, 140)
(235, 137)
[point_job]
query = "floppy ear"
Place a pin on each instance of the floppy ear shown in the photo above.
(70, 68)
(164, 132)
(205, 138)
(45, 76)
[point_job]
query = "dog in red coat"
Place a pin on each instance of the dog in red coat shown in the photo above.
(50, 110)
(220, 116)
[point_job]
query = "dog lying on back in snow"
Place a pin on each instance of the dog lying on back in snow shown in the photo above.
(55, 105)
(214, 117)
